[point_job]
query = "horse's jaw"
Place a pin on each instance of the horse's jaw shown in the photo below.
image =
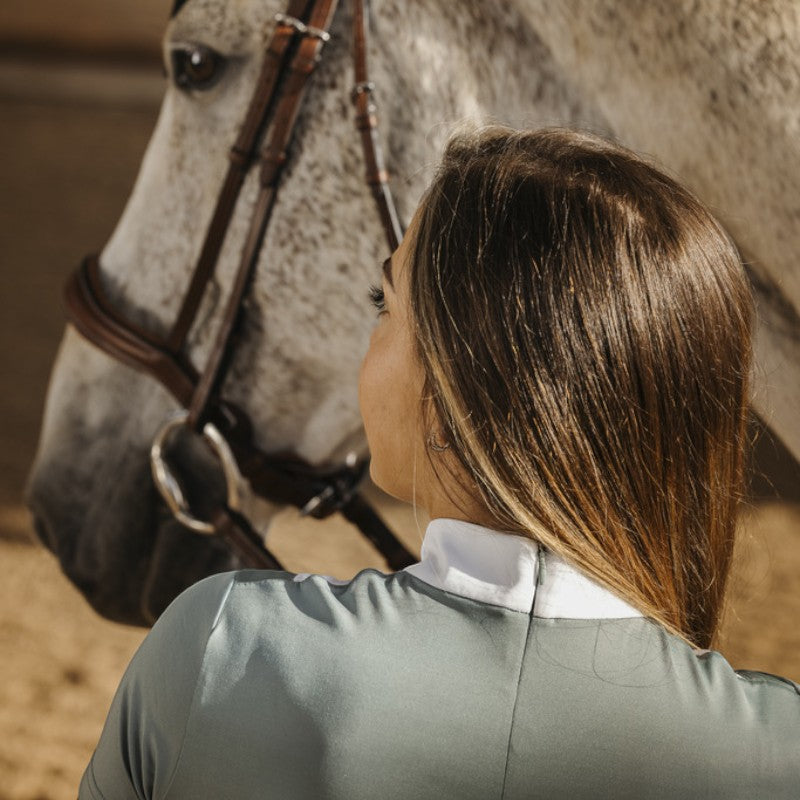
(92, 497)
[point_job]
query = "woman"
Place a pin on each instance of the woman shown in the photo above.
(559, 377)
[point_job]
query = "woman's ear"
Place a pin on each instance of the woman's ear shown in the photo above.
(436, 442)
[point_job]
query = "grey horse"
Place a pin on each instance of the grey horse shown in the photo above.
(710, 88)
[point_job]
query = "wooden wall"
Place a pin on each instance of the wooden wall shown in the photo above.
(108, 29)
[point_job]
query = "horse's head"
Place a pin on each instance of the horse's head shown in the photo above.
(307, 318)
(306, 322)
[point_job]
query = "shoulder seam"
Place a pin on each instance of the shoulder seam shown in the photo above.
(223, 602)
(222, 605)
(91, 783)
(767, 679)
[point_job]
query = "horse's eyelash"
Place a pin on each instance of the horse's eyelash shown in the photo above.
(376, 297)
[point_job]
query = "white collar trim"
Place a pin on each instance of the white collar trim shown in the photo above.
(504, 569)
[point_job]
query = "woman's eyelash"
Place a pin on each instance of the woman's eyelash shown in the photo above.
(377, 298)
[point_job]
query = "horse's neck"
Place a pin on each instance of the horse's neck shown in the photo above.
(437, 64)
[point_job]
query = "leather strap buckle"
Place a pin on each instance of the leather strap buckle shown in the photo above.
(339, 490)
(365, 87)
(301, 27)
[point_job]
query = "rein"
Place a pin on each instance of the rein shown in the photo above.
(291, 56)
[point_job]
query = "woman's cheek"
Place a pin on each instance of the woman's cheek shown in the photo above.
(371, 391)
(364, 376)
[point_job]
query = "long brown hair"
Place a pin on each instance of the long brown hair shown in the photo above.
(584, 327)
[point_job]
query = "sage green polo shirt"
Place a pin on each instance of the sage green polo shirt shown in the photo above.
(488, 670)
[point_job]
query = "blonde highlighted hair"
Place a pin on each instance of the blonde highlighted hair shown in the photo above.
(584, 326)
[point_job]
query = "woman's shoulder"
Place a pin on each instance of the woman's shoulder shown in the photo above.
(758, 678)
(276, 602)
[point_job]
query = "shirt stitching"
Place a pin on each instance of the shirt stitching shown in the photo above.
(91, 783)
(200, 673)
(516, 703)
(767, 679)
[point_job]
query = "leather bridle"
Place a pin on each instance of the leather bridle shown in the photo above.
(290, 58)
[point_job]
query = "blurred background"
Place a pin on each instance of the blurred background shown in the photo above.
(80, 86)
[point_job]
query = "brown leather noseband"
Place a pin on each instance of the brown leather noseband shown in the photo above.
(291, 56)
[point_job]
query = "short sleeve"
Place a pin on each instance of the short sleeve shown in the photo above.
(142, 738)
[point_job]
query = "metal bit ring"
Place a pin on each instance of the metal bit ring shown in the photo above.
(168, 486)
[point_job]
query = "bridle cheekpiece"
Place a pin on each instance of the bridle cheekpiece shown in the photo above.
(291, 56)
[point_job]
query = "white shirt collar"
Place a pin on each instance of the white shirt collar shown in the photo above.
(506, 570)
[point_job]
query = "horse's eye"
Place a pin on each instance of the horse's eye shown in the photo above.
(195, 66)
